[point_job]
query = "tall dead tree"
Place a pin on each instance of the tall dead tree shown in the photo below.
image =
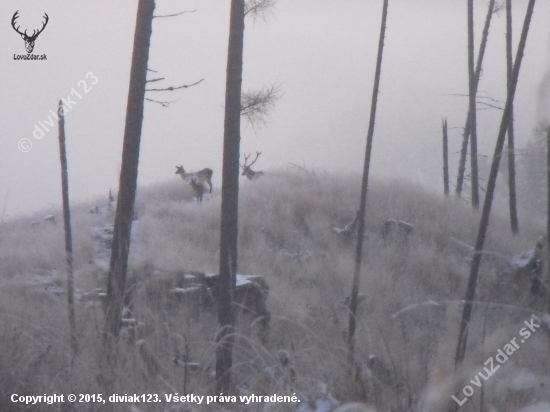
(254, 106)
(479, 65)
(445, 160)
(364, 186)
(116, 282)
(548, 211)
(68, 234)
(230, 195)
(486, 211)
(472, 112)
(511, 153)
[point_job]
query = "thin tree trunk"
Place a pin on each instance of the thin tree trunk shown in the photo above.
(463, 154)
(116, 282)
(479, 65)
(511, 153)
(230, 197)
(445, 160)
(472, 107)
(68, 235)
(364, 186)
(484, 222)
(548, 213)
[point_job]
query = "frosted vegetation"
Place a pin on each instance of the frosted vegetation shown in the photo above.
(285, 237)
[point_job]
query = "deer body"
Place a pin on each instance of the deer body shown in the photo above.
(200, 177)
(198, 188)
(251, 174)
(247, 171)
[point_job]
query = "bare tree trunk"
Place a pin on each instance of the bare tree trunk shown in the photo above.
(463, 153)
(445, 160)
(364, 186)
(230, 197)
(68, 235)
(128, 175)
(548, 213)
(484, 222)
(479, 65)
(511, 153)
(472, 107)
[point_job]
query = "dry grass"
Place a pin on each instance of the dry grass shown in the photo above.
(285, 236)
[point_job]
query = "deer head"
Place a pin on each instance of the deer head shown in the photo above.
(247, 171)
(180, 171)
(29, 40)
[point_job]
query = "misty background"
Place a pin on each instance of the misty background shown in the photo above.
(322, 54)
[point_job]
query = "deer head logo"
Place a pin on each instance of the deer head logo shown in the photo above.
(29, 40)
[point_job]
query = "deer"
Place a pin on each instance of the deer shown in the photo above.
(198, 188)
(29, 40)
(247, 171)
(111, 203)
(202, 176)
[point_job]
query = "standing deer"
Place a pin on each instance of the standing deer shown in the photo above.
(247, 171)
(201, 177)
(198, 188)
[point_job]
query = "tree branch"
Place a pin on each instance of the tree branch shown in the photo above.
(491, 99)
(256, 104)
(169, 89)
(154, 80)
(498, 7)
(163, 104)
(174, 15)
(490, 106)
(258, 8)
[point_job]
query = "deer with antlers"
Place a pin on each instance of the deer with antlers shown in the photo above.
(29, 40)
(247, 171)
(200, 177)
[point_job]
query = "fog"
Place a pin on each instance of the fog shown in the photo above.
(322, 54)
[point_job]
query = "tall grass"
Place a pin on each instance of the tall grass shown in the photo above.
(285, 236)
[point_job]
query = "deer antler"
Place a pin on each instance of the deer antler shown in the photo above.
(15, 16)
(34, 33)
(43, 26)
(246, 158)
(257, 155)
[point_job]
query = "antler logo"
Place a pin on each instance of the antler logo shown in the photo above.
(29, 40)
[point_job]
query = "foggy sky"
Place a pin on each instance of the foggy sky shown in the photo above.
(322, 53)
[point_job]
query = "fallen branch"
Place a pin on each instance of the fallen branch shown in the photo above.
(300, 167)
